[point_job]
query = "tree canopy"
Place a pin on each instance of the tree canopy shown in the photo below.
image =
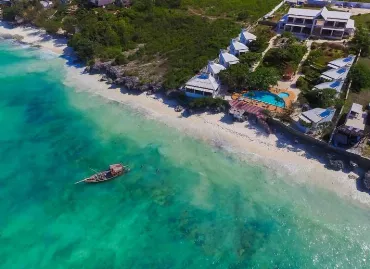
(360, 75)
(185, 42)
(235, 77)
(239, 77)
(262, 78)
(250, 58)
(361, 41)
(281, 58)
(323, 98)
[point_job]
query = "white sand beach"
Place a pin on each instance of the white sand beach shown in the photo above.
(248, 142)
(36, 37)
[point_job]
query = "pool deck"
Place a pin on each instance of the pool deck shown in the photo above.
(274, 109)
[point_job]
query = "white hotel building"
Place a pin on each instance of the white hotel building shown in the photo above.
(318, 23)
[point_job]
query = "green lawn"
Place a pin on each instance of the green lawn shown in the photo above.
(363, 97)
(362, 20)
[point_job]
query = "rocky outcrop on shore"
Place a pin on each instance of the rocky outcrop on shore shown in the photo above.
(115, 74)
(336, 165)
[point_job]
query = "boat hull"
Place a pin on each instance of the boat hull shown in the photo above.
(105, 177)
(114, 171)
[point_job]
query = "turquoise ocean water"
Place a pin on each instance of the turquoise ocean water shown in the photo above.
(184, 205)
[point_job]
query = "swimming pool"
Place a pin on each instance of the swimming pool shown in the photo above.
(283, 94)
(266, 97)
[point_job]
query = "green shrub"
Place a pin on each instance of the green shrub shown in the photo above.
(360, 76)
(250, 58)
(120, 60)
(302, 84)
(51, 26)
(242, 16)
(209, 103)
(323, 98)
(9, 13)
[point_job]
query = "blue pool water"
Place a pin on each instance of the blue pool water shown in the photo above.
(266, 97)
(283, 94)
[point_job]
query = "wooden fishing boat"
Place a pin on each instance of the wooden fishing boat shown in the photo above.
(114, 171)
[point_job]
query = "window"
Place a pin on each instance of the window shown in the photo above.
(340, 24)
(308, 21)
(298, 21)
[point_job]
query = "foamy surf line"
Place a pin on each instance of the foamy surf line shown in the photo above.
(34, 37)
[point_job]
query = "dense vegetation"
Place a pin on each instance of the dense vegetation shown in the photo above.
(360, 76)
(237, 9)
(210, 104)
(186, 42)
(360, 88)
(323, 98)
(361, 41)
(287, 56)
(155, 31)
(239, 77)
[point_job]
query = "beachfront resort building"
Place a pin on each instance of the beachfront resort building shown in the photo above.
(335, 85)
(246, 37)
(342, 62)
(214, 68)
(336, 75)
(237, 48)
(353, 130)
(203, 85)
(318, 23)
(226, 59)
(315, 119)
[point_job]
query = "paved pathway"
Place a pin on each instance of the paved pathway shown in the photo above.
(291, 85)
(271, 44)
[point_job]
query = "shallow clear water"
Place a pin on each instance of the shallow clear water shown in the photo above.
(266, 97)
(184, 205)
(283, 94)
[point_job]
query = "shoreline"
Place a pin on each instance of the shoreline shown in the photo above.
(248, 143)
(35, 37)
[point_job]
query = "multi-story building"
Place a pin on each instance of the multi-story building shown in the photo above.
(318, 23)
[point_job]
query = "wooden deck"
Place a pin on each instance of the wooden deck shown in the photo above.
(274, 109)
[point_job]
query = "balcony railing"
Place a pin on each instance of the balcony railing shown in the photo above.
(334, 26)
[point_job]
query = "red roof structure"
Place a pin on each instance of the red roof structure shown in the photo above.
(243, 106)
(240, 107)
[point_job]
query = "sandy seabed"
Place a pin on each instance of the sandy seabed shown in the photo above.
(247, 141)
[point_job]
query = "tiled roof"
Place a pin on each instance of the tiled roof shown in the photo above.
(215, 68)
(228, 57)
(203, 82)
